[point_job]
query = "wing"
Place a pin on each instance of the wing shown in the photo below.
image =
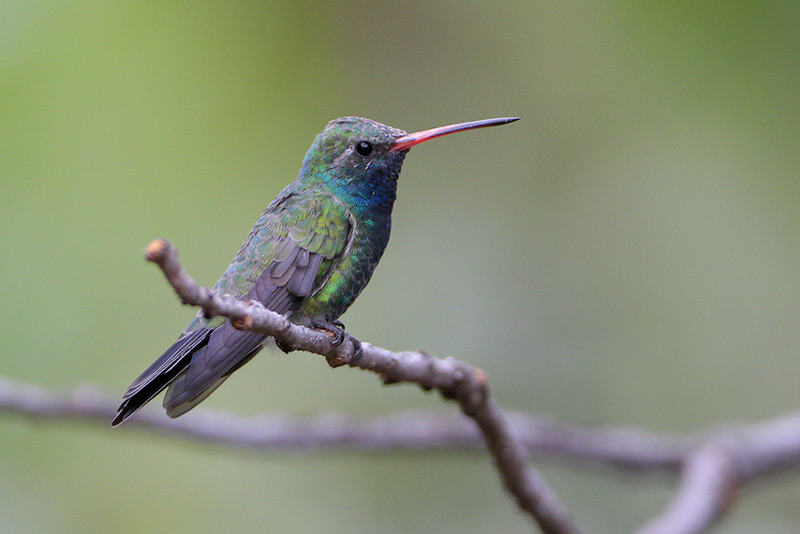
(287, 257)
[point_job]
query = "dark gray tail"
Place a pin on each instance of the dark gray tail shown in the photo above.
(161, 374)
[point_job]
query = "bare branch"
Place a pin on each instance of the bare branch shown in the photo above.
(455, 380)
(714, 472)
(411, 430)
(408, 430)
(626, 448)
(705, 494)
(714, 465)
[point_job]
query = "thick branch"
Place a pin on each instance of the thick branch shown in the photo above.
(455, 380)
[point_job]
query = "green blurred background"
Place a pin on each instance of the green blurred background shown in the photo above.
(626, 254)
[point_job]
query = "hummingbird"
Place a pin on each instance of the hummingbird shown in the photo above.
(308, 256)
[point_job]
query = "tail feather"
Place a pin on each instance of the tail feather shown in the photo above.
(161, 373)
(176, 400)
(226, 351)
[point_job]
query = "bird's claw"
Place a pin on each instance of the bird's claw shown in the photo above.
(332, 327)
(337, 328)
(358, 350)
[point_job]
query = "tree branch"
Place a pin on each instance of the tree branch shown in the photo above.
(715, 470)
(713, 465)
(455, 380)
(410, 430)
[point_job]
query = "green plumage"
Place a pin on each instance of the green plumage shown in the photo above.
(308, 256)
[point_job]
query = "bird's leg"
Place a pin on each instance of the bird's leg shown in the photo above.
(337, 329)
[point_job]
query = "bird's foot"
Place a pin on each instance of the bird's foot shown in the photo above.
(332, 327)
(339, 335)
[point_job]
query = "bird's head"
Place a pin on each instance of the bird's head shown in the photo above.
(360, 159)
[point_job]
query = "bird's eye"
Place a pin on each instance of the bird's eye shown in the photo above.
(364, 149)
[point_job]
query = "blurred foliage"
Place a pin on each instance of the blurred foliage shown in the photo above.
(626, 254)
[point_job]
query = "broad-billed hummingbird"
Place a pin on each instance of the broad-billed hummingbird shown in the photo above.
(308, 256)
